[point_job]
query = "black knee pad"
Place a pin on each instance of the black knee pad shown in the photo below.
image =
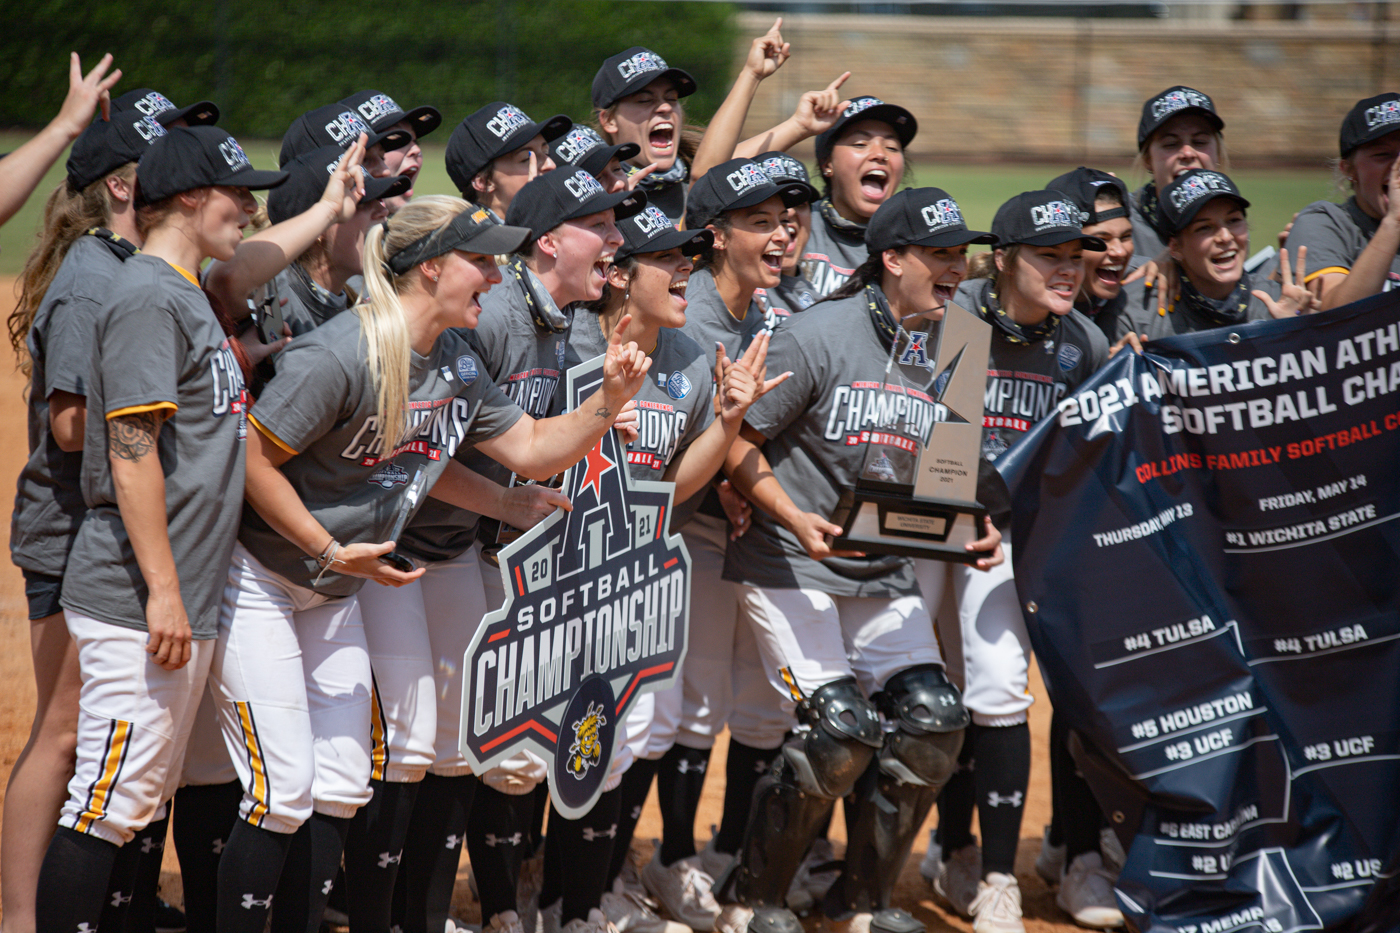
(844, 737)
(929, 720)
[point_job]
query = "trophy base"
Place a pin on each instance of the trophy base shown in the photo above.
(885, 523)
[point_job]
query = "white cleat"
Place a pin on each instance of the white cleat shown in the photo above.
(1086, 893)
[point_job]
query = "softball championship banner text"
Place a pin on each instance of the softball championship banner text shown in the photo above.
(1208, 559)
(596, 614)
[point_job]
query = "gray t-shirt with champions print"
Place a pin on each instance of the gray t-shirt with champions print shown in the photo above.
(323, 405)
(832, 255)
(818, 424)
(158, 344)
(1335, 235)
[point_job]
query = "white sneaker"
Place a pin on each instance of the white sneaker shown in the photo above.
(933, 858)
(454, 925)
(713, 862)
(1086, 893)
(1050, 863)
(733, 918)
(997, 906)
(815, 876)
(597, 922)
(634, 915)
(683, 889)
(958, 879)
(552, 917)
(507, 921)
(1112, 851)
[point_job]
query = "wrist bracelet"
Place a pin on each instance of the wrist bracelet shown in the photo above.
(328, 555)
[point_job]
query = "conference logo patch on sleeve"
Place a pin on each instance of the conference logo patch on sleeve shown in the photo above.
(1069, 357)
(678, 386)
(466, 369)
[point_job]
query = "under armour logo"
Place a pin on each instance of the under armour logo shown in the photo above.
(326, 888)
(760, 767)
(995, 800)
(512, 840)
(685, 766)
(218, 847)
(118, 900)
(152, 844)
(637, 812)
(453, 842)
(86, 928)
(249, 902)
(590, 834)
(385, 859)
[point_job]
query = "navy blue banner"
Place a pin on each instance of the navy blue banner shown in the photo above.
(1208, 559)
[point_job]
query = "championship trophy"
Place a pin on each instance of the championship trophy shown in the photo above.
(917, 491)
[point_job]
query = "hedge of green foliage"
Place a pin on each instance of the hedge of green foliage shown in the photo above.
(266, 61)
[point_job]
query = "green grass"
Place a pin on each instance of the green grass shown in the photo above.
(979, 189)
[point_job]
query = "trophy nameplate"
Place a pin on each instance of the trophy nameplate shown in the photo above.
(917, 491)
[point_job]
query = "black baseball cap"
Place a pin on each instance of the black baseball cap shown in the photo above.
(381, 113)
(920, 217)
(334, 125)
(1084, 184)
(106, 146)
(151, 103)
(651, 231)
(868, 108)
(1042, 218)
(734, 185)
(1369, 120)
(783, 168)
(1159, 108)
(584, 148)
(630, 71)
(1180, 201)
(475, 230)
(189, 157)
(566, 194)
(306, 182)
(491, 132)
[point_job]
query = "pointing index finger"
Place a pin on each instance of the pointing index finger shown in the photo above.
(835, 85)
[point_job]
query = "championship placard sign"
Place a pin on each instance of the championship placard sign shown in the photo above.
(596, 614)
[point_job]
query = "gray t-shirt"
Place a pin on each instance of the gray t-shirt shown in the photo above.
(675, 404)
(817, 424)
(159, 346)
(1147, 242)
(49, 500)
(1335, 235)
(308, 304)
(323, 405)
(833, 253)
(1141, 315)
(794, 294)
(525, 361)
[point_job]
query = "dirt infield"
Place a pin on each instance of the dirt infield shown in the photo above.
(912, 893)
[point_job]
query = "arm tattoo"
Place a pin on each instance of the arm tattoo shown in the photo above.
(131, 437)
(603, 413)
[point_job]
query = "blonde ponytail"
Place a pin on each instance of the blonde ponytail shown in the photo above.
(383, 321)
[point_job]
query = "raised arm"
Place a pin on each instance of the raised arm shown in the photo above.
(1368, 273)
(766, 56)
(816, 112)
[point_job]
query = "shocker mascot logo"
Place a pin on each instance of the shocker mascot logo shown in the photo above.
(586, 750)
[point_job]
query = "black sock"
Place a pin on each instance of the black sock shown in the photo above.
(541, 798)
(121, 885)
(497, 832)
(1003, 772)
(742, 771)
(309, 874)
(204, 816)
(432, 852)
(577, 856)
(339, 899)
(141, 912)
(248, 871)
(373, 851)
(636, 784)
(1075, 806)
(956, 802)
(72, 881)
(680, 780)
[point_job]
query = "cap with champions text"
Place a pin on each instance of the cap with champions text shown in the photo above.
(868, 108)
(1172, 102)
(782, 168)
(567, 194)
(734, 185)
(189, 157)
(154, 104)
(382, 114)
(1369, 120)
(651, 231)
(630, 71)
(491, 132)
(475, 230)
(106, 146)
(1042, 218)
(306, 182)
(1181, 200)
(1084, 184)
(584, 148)
(920, 217)
(334, 125)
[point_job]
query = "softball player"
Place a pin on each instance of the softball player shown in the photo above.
(1103, 198)
(861, 158)
(1354, 247)
(495, 151)
(338, 125)
(1208, 239)
(837, 629)
(383, 115)
(793, 293)
(583, 148)
(141, 593)
(89, 229)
